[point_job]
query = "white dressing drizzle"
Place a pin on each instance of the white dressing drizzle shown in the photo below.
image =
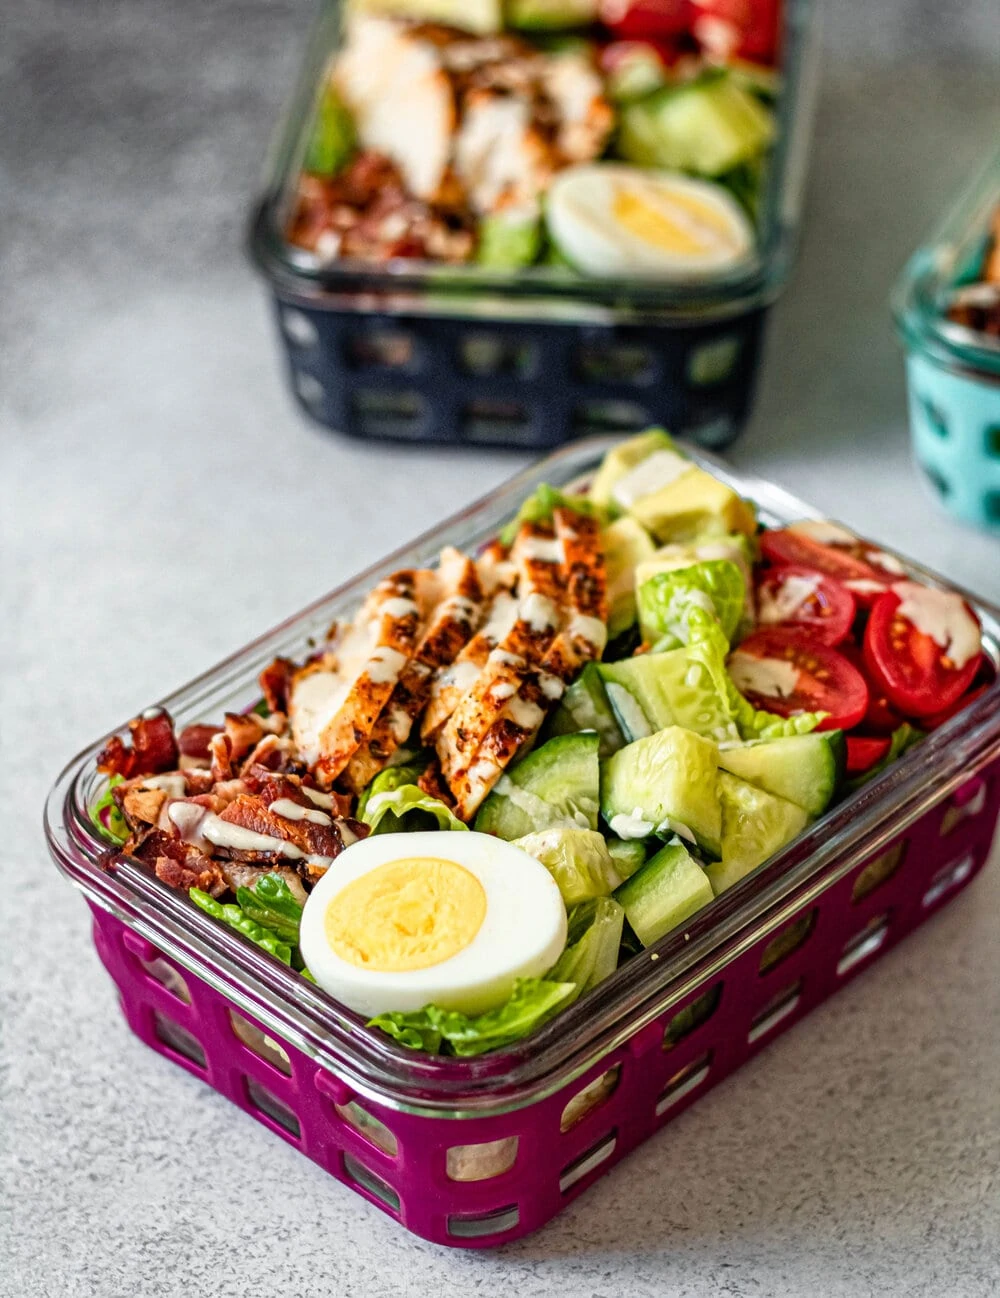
(942, 615)
(774, 676)
(290, 810)
(782, 601)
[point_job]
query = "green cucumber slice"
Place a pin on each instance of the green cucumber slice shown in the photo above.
(665, 784)
(585, 706)
(556, 785)
(627, 855)
(805, 769)
(682, 687)
(668, 889)
(755, 825)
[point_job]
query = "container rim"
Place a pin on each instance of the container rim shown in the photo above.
(638, 992)
(408, 287)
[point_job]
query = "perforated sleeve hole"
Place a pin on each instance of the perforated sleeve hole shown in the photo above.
(367, 1125)
(933, 418)
(879, 870)
(269, 1104)
(684, 1081)
(487, 419)
(257, 1040)
(309, 388)
(481, 1162)
(298, 328)
(959, 810)
(364, 1177)
(791, 937)
(593, 1157)
(591, 1097)
(711, 363)
(383, 412)
(609, 417)
(383, 349)
(163, 972)
(864, 943)
(948, 878)
(463, 1226)
(178, 1039)
(614, 362)
(691, 1017)
(488, 354)
(774, 1011)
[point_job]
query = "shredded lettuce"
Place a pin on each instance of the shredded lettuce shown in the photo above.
(106, 817)
(592, 943)
(436, 1031)
(578, 860)
(668, 601)
(542, 503)
(234, 916)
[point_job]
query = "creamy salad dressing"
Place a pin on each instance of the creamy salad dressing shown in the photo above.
(941, 615)
(173, 783)
(780, 603)
(543, 549)
(775, 676)
(633, 826)
(225, 834)
(289, 810)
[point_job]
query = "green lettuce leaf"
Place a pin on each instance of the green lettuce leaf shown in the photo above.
(592, 944)
(272, 904)
(755, 724)
(713, 587)
(333, 139)
(578, 860)
(532, 1002)
(506, 243)
(407, 808)
(235, 917)
(106, 817)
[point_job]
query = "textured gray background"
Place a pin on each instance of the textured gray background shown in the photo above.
(161, 501)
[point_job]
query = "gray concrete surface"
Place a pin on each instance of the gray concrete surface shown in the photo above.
(161, 501)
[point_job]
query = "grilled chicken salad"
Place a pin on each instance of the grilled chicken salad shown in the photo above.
(508, 774)
(595, 135)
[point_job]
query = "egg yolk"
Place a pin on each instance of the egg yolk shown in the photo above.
(407, 914)
(703, 229)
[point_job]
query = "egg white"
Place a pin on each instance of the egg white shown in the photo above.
(582, 222)
(522, 935)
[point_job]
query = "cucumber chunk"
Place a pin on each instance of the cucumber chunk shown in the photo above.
(708, 127)
(585, 706)
(627, 855)
(556, 785)
(755, 825)
(805, 769)
(682, 687)
(578, 860)
(668, 889)
(665, 784)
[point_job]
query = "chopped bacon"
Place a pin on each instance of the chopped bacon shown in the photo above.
(274, 681)
(142, 806)
(153, 750)
(181, 865)
(307, 836)
(193, 740)
(241, 874)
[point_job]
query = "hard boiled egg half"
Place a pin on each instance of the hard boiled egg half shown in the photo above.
(400, 921)
(609, 218)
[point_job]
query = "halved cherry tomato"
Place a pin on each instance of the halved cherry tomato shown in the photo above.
(824, 680)
(939, 718)
(848, 563)
(880, 715)
(637, 19)
(745, 27)
(910, 665)
(808, 600)
(863, 752)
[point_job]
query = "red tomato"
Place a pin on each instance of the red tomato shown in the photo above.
(748, 28)
(863, 752)
(939, 718)
(909, 665)
(880, 716)
(806, 599)
(637, 19)
(849, 563)
(825, 681)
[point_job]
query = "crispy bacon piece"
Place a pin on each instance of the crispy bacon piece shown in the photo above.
(142, 806)
(180, 865)
(153, 750)
(193, 740)
(274, 682)
(241, 874)
(270, 786)
(309, 837)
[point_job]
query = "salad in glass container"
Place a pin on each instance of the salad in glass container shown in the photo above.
(508, 774)
(611, 137)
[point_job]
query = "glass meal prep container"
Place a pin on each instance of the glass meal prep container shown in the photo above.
(418, 351)
(473, 1152)
(947, 312)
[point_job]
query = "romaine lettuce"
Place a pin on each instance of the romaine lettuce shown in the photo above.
(531, 1003)
(578, 860)
(234, 916)
(541, 504)
(592, 943)
(715, 587)
(106, 817)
